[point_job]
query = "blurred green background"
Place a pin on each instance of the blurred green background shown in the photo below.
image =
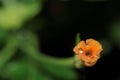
(37, 38)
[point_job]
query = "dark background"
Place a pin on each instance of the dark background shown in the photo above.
(64, 19)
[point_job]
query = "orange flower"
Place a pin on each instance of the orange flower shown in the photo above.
(88, 52)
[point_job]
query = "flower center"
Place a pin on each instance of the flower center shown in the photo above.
(88, 53)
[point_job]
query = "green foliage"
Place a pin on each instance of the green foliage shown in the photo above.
(13, 14)
(3, 34)
(34, 64)
(28, 69)
(61, 72)
(114, 33)
(16, 70)
(57, 67)
(77, 38)
(22, 70)
(35, 74)
(9, 50)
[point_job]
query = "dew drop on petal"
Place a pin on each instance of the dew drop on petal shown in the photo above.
(80, 51)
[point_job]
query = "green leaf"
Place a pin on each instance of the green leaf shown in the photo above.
(9, 50)
(3, 34)
(22, 70)
(16, 70)
(36, 74)
(13, 13)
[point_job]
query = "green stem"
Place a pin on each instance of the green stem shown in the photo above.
(77, 38)
(8, 51)
(42, 58)
(31, 49)
(34, 73)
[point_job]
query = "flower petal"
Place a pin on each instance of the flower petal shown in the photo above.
(88, 52)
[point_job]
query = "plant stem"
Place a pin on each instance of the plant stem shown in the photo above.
(9, 50)
(31, 49)
(34, 53)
